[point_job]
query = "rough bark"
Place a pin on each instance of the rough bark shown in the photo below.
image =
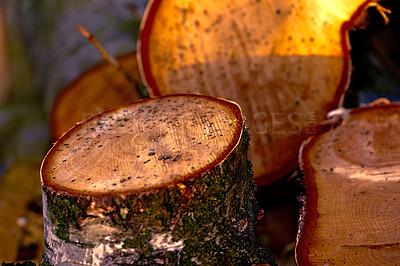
(351, 182)
(161, 181)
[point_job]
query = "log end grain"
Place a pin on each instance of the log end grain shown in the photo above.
(351, 191)
(144, 145)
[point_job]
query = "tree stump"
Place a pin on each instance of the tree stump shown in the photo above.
(350, 212)
(160, 181)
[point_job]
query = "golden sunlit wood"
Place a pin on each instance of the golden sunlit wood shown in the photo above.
(285, 62)
(351, 202)
(94, 91)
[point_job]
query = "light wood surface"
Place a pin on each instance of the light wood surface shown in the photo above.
(285, 62)
(144, 145)
(351, 209)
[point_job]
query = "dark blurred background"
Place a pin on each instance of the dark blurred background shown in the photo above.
(41, 52)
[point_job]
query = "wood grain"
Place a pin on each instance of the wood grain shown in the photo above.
(352, 177)
(144, 145)
(286, 63)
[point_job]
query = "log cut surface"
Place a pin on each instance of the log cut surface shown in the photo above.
(352, 179)
(285, 62)
(144, 145)
(160, 181)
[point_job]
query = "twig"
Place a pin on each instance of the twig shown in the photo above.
(383, 11)
(114, 62)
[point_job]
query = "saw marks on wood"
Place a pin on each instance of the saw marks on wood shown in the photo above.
(144, 145)
(357, 183)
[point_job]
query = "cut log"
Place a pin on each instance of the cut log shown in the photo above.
(285, 62)
(160, 181)
(351, 202)
(94, 91)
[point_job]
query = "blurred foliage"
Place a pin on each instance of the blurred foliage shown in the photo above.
(58, 52)
(23, 128)
(21, 230)
(46, 53)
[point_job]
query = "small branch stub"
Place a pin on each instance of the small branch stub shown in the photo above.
(161, 181)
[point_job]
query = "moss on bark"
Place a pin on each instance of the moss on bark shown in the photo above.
(208, 220)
